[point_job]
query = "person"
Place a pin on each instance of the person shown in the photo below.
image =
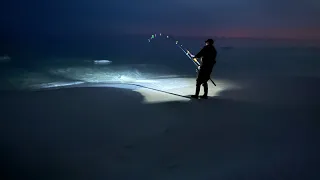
(208, 54)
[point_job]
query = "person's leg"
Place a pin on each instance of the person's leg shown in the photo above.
(205, 83)
(198, 85)
(205, 88)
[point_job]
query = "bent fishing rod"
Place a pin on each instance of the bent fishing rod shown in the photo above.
(185, 51)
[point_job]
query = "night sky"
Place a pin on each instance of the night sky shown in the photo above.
(230, 18)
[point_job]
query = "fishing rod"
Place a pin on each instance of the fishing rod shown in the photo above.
(180, 46)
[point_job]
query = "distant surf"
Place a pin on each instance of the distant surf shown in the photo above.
(5, 59)
(102, 62)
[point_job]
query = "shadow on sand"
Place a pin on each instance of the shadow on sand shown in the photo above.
(107, 133)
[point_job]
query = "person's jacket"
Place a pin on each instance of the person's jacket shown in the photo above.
(208, 54)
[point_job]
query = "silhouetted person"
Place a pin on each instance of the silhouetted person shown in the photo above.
(208, 54)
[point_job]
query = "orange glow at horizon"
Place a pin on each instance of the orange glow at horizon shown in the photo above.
(287, 33)
(294, 33)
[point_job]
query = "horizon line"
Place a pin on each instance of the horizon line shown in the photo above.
(229, 37)
(170, 34)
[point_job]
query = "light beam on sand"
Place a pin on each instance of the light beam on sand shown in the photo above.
(178, 90)
(154, 87)
(110, 74)
(171, 89)
(163, 89)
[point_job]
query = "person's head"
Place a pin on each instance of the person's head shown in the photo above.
(209, 42)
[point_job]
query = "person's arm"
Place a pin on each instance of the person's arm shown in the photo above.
(200, 54)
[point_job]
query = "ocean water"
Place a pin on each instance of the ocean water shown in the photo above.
(55, 62)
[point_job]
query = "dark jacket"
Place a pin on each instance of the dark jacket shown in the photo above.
(208, 54)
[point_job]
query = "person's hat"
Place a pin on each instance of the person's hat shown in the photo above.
(210, 41)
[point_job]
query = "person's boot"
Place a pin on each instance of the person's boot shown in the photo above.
(204, 97)
(195, 96)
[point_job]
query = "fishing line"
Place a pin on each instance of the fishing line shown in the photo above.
(180, 46)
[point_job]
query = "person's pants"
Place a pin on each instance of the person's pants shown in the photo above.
(203, 78)
(203, 82)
